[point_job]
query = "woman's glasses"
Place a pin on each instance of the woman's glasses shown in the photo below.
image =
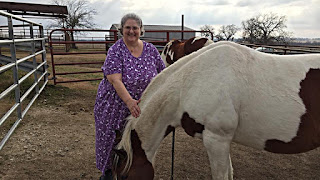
(134, 28)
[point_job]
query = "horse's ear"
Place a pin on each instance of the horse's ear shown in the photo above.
(118, 137)
(176, 41)
(120, 152)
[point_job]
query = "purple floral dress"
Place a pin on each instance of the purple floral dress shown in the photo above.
(109, 110)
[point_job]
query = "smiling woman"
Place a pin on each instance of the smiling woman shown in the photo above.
(129, 67)
(131, 37)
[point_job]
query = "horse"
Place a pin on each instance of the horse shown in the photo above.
(176, 49)
(224, 93)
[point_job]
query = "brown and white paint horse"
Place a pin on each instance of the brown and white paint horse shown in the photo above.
(226, 92)
(176, 49)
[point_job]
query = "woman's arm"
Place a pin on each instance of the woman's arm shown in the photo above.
(132, 104)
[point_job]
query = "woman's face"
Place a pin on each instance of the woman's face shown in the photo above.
(131, 31)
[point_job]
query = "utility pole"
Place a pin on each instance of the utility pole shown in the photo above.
(182, 27)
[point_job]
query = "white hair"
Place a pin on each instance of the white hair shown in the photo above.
(133, 16)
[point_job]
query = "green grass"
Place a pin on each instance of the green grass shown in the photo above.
(54, 94)
(6, 80)
(82, 76)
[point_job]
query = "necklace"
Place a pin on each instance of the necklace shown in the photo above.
(134, 48)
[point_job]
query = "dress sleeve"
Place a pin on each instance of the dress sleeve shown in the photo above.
(113, 62)
(159, 62)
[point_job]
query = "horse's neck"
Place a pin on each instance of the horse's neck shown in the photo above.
(158, 113)
(160, 106)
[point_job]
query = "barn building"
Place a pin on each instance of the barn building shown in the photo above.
(162, 36)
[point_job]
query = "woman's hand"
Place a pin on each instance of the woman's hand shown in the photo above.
(132, 105)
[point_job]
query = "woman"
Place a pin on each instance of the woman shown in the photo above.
(129, 67)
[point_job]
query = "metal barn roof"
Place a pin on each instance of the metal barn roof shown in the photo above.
(157, 27)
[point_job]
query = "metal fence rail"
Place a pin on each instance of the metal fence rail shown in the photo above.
(11, 61)
(286, 49)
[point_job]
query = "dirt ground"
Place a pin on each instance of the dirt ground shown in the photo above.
(56, 141)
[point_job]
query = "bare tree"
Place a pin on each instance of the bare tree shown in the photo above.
(207, 28)
(80, 15)
(264, 28)
(250, 32)
(227, 32)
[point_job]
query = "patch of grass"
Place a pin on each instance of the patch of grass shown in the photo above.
(6, 80)
(95, 83)
(57, 94)
(54, 94)
(78, 76)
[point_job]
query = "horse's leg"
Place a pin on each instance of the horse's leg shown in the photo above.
(218, 148)
(217, 138)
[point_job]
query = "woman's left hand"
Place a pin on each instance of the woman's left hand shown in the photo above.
(132, 105)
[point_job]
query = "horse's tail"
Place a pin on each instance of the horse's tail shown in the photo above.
(125, 144)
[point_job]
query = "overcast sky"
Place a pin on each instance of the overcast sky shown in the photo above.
(303, 16)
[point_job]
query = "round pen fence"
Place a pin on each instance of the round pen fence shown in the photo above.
(23, 70)
(64, 52)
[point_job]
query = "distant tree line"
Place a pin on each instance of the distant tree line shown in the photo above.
(305, 41)
(263, 29)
